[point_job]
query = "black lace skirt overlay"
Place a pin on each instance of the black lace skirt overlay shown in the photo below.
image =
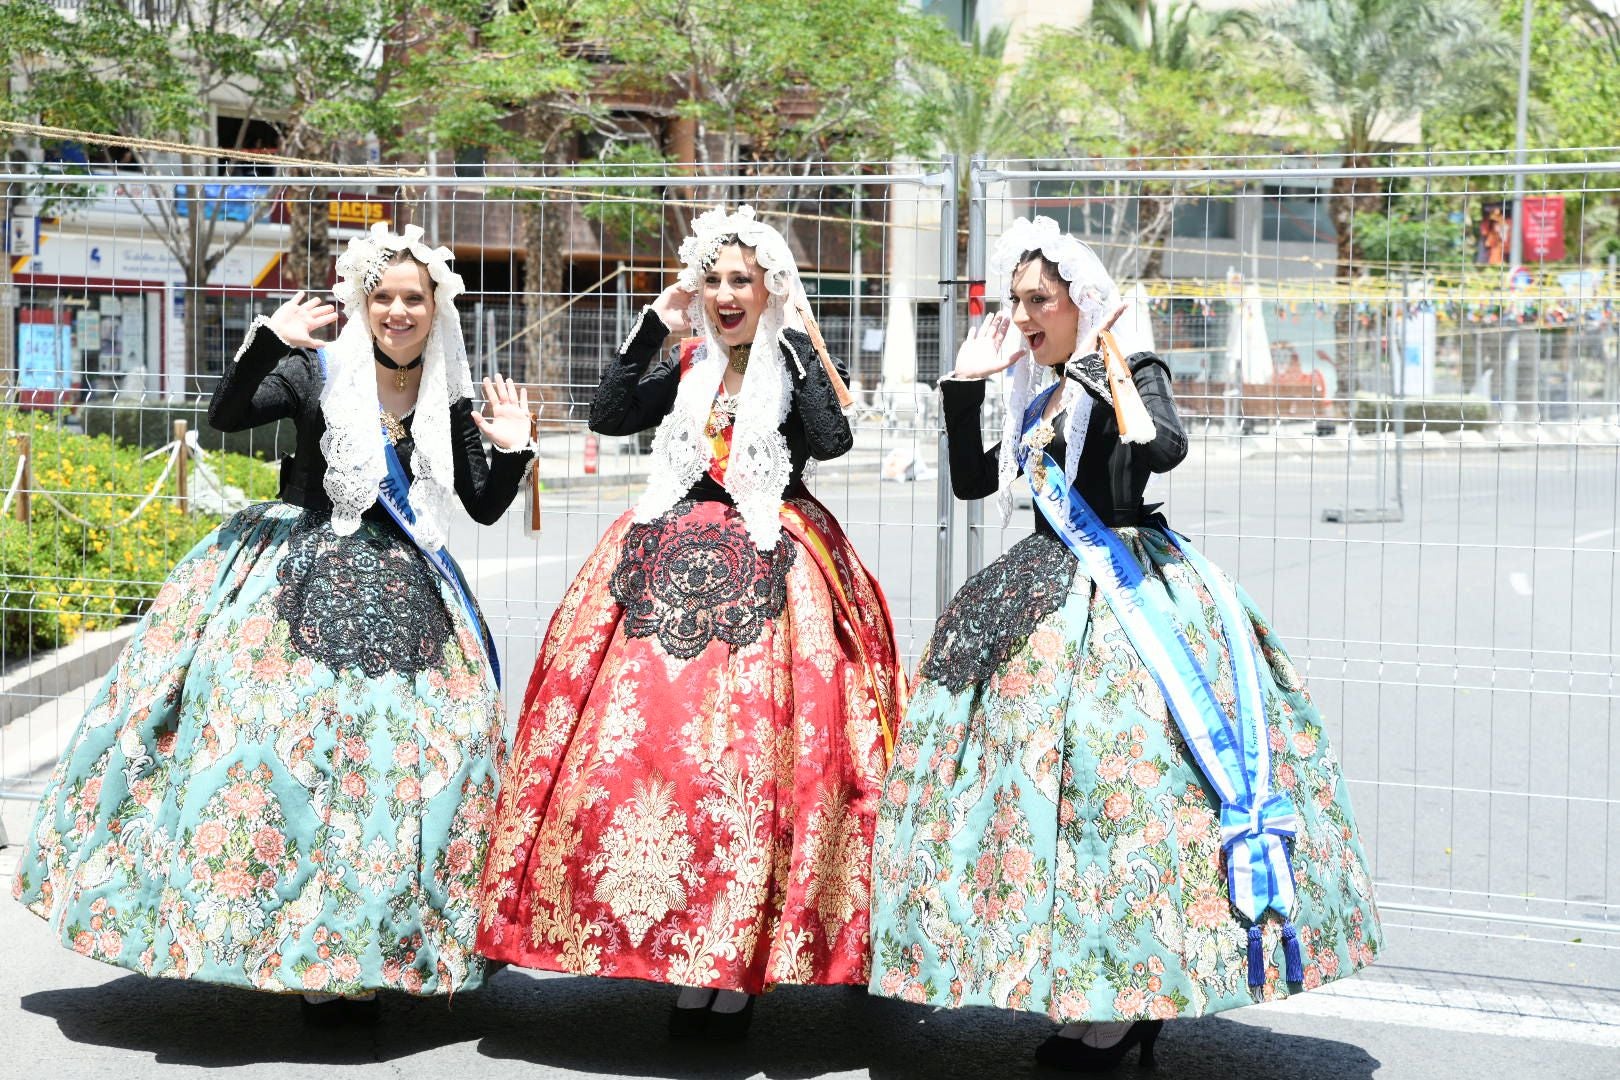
(692, 581)
(366, 600)
(997, 608)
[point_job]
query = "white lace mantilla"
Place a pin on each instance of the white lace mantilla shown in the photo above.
(1093, 291)
(760, 464)
(353, 442)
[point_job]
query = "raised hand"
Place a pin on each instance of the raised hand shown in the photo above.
(1093, 339)
(980, 354)
(671, 309)
(296, 321)
(507, 425)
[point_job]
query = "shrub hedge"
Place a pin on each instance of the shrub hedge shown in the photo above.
(57, 577)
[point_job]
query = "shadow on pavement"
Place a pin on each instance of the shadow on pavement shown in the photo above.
(185, 1023)
(614, 1027)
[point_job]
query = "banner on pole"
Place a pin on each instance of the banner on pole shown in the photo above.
(1543, 228)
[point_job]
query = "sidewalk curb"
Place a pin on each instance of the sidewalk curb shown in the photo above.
(25, 686)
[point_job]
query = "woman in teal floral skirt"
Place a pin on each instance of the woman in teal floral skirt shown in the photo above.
(286, 782)
(1067, 828)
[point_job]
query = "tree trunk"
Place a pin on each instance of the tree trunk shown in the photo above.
(309, 222)
(1350, 196)
(195, 268)
(310, 262)
(544, 277)
(1160, 212)
(196, 383)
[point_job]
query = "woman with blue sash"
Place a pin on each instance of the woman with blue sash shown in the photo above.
(287, 781)
(1112, 801)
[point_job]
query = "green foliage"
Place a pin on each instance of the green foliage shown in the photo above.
(146, 428)
(1422, 235)
(1574, 84)
(1377, 413)
(152, 71)
(770, 81)
(1368, 67)
(57, 577)
(971, 103)
(1111, 100)
(512, 81)
(1178, 37)
(627, 215)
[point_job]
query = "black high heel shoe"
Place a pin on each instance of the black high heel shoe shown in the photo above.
(685, 1023)
(1074, 1055)
(327, 1014)
(731, 1026)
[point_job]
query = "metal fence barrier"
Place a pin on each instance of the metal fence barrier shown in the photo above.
(1408, 461)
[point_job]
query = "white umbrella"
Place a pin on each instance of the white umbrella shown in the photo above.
(1248, 348)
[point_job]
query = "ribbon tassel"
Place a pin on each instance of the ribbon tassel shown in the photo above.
(1294, 971)
(1257, 956)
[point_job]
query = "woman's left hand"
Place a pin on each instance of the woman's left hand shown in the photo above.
(507, 425)
(1094, 339)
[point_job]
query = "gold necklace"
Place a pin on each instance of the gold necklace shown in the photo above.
(392, 426)
(739, 357)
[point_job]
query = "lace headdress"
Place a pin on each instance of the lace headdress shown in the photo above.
(1093, 291)
(353, 443)
(760, 466)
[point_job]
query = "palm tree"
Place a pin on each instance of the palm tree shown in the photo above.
(1177, 37)
(976, 105)
(1373, 66)
(1183, 38)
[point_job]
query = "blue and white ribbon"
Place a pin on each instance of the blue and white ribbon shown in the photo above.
(1234, 755)
(394, 494)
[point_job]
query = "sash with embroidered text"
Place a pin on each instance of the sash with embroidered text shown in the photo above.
(1233, 753)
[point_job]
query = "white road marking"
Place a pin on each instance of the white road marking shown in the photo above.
(1556, 1018)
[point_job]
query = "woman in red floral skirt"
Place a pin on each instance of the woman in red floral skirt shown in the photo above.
(691, 791)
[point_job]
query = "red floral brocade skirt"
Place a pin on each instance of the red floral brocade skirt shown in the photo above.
(693, 784)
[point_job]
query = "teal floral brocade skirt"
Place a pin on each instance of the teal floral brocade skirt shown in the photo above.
(1045, 841)
(286, 782)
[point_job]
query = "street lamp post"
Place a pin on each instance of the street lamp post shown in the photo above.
(1510, 373)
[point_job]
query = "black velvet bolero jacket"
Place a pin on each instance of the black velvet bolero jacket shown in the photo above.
(1111, 475)
(636, 393)
(269, 380)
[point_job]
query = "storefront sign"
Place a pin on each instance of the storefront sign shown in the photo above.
(356, 212)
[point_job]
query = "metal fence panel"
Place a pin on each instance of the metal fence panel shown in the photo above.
(100, 309)
(1410, 462)
(1438, 549)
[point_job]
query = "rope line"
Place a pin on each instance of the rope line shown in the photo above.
(168, 466)
(16, 483)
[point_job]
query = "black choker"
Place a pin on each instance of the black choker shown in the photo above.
(398, 369)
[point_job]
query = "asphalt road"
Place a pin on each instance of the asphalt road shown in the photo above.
(1463, 657)
(1464, 661)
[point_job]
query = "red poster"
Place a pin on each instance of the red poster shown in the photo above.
(1543, 228)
